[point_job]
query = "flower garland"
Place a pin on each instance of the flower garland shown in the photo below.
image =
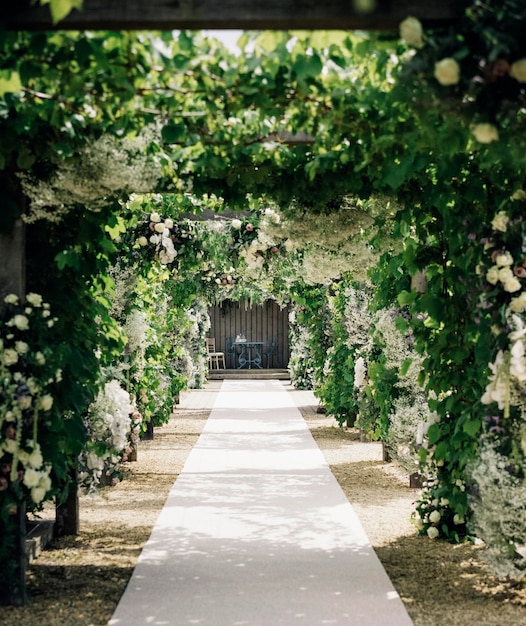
(27, 376)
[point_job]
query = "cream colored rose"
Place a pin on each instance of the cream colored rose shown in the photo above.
(40, 358)
(520, 194)
(512, 285)
(168, 223)
(518, 70)
(34, 299)
(447, 71)
(11, 298)
(159, 227)
(518, 304)
(485, 133)
(155, 217)
(21, 347)
(500, 221)
(38, 494)
(236, 224)
(504, 260)
(411, 32)
(432, 532)
(10, 357)
(434, 517)
(21, 322)
(142, 241)
(31, 478)
(492, 275)
(505, 274)
(46, 402)
(35, 459)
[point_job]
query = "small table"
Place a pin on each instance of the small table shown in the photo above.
(250, 353)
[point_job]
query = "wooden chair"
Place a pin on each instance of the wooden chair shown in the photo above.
(271, 349)
(215, 359)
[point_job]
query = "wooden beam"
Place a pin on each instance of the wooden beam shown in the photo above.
(237, 14)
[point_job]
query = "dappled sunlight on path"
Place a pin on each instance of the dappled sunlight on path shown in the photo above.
(257, 532)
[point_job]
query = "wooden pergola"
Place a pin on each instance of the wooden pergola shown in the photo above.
(382, 15)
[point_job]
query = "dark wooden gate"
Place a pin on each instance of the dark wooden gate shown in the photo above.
(257, 323)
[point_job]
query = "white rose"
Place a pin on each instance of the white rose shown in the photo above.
(45, 482)
(159, 228)
(236, 224)
(11, 298)
(520, 194)
(21, 322)
(485, 133)
(504, 260)
(505, 274)
(10, 357)
(289, 245)
(38, 494)
(34, 298)
(518, 70)
(500, 221)
(432, 532)
(142, 241)
(411, 32)
(447, 71)
(518, 305)
(40, 358)
(35, 459)
(168, 223)
(21, 347)
(24, 402)
(512, 285)
(434, 517)
(492, 275)
(31, 478)
(46, 402)
(154, 239)
(418, 522)
(155, 217)
(458, 519)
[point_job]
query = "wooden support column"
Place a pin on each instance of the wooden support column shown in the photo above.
(67, 513)
(12, 261)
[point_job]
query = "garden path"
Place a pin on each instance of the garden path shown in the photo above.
(256, 531)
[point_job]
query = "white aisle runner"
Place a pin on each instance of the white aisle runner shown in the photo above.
(257, 532)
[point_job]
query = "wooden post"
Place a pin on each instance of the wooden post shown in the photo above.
(67, 512)
(13, 590)
(12, 261)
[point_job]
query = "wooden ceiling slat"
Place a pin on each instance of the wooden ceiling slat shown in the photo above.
(237, 14)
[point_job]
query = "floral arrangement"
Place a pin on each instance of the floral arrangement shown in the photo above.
(28, 374)
(112, 423)
(499, 472)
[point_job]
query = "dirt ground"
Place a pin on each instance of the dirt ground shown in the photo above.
(78, 580)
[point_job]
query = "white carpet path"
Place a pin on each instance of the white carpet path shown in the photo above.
(257, 532)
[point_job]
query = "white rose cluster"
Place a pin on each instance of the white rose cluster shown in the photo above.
(161, 238)
(109, 426)
(502, 272)
(27, 373)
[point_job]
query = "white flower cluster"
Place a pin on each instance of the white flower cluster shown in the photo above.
(498, 512)
(507, 382)
(106, 166)
(501, 272)
(161, 238)
(25, 377)
(136, 329)
(109, 424)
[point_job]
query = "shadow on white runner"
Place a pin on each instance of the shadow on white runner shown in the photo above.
(256, 531)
